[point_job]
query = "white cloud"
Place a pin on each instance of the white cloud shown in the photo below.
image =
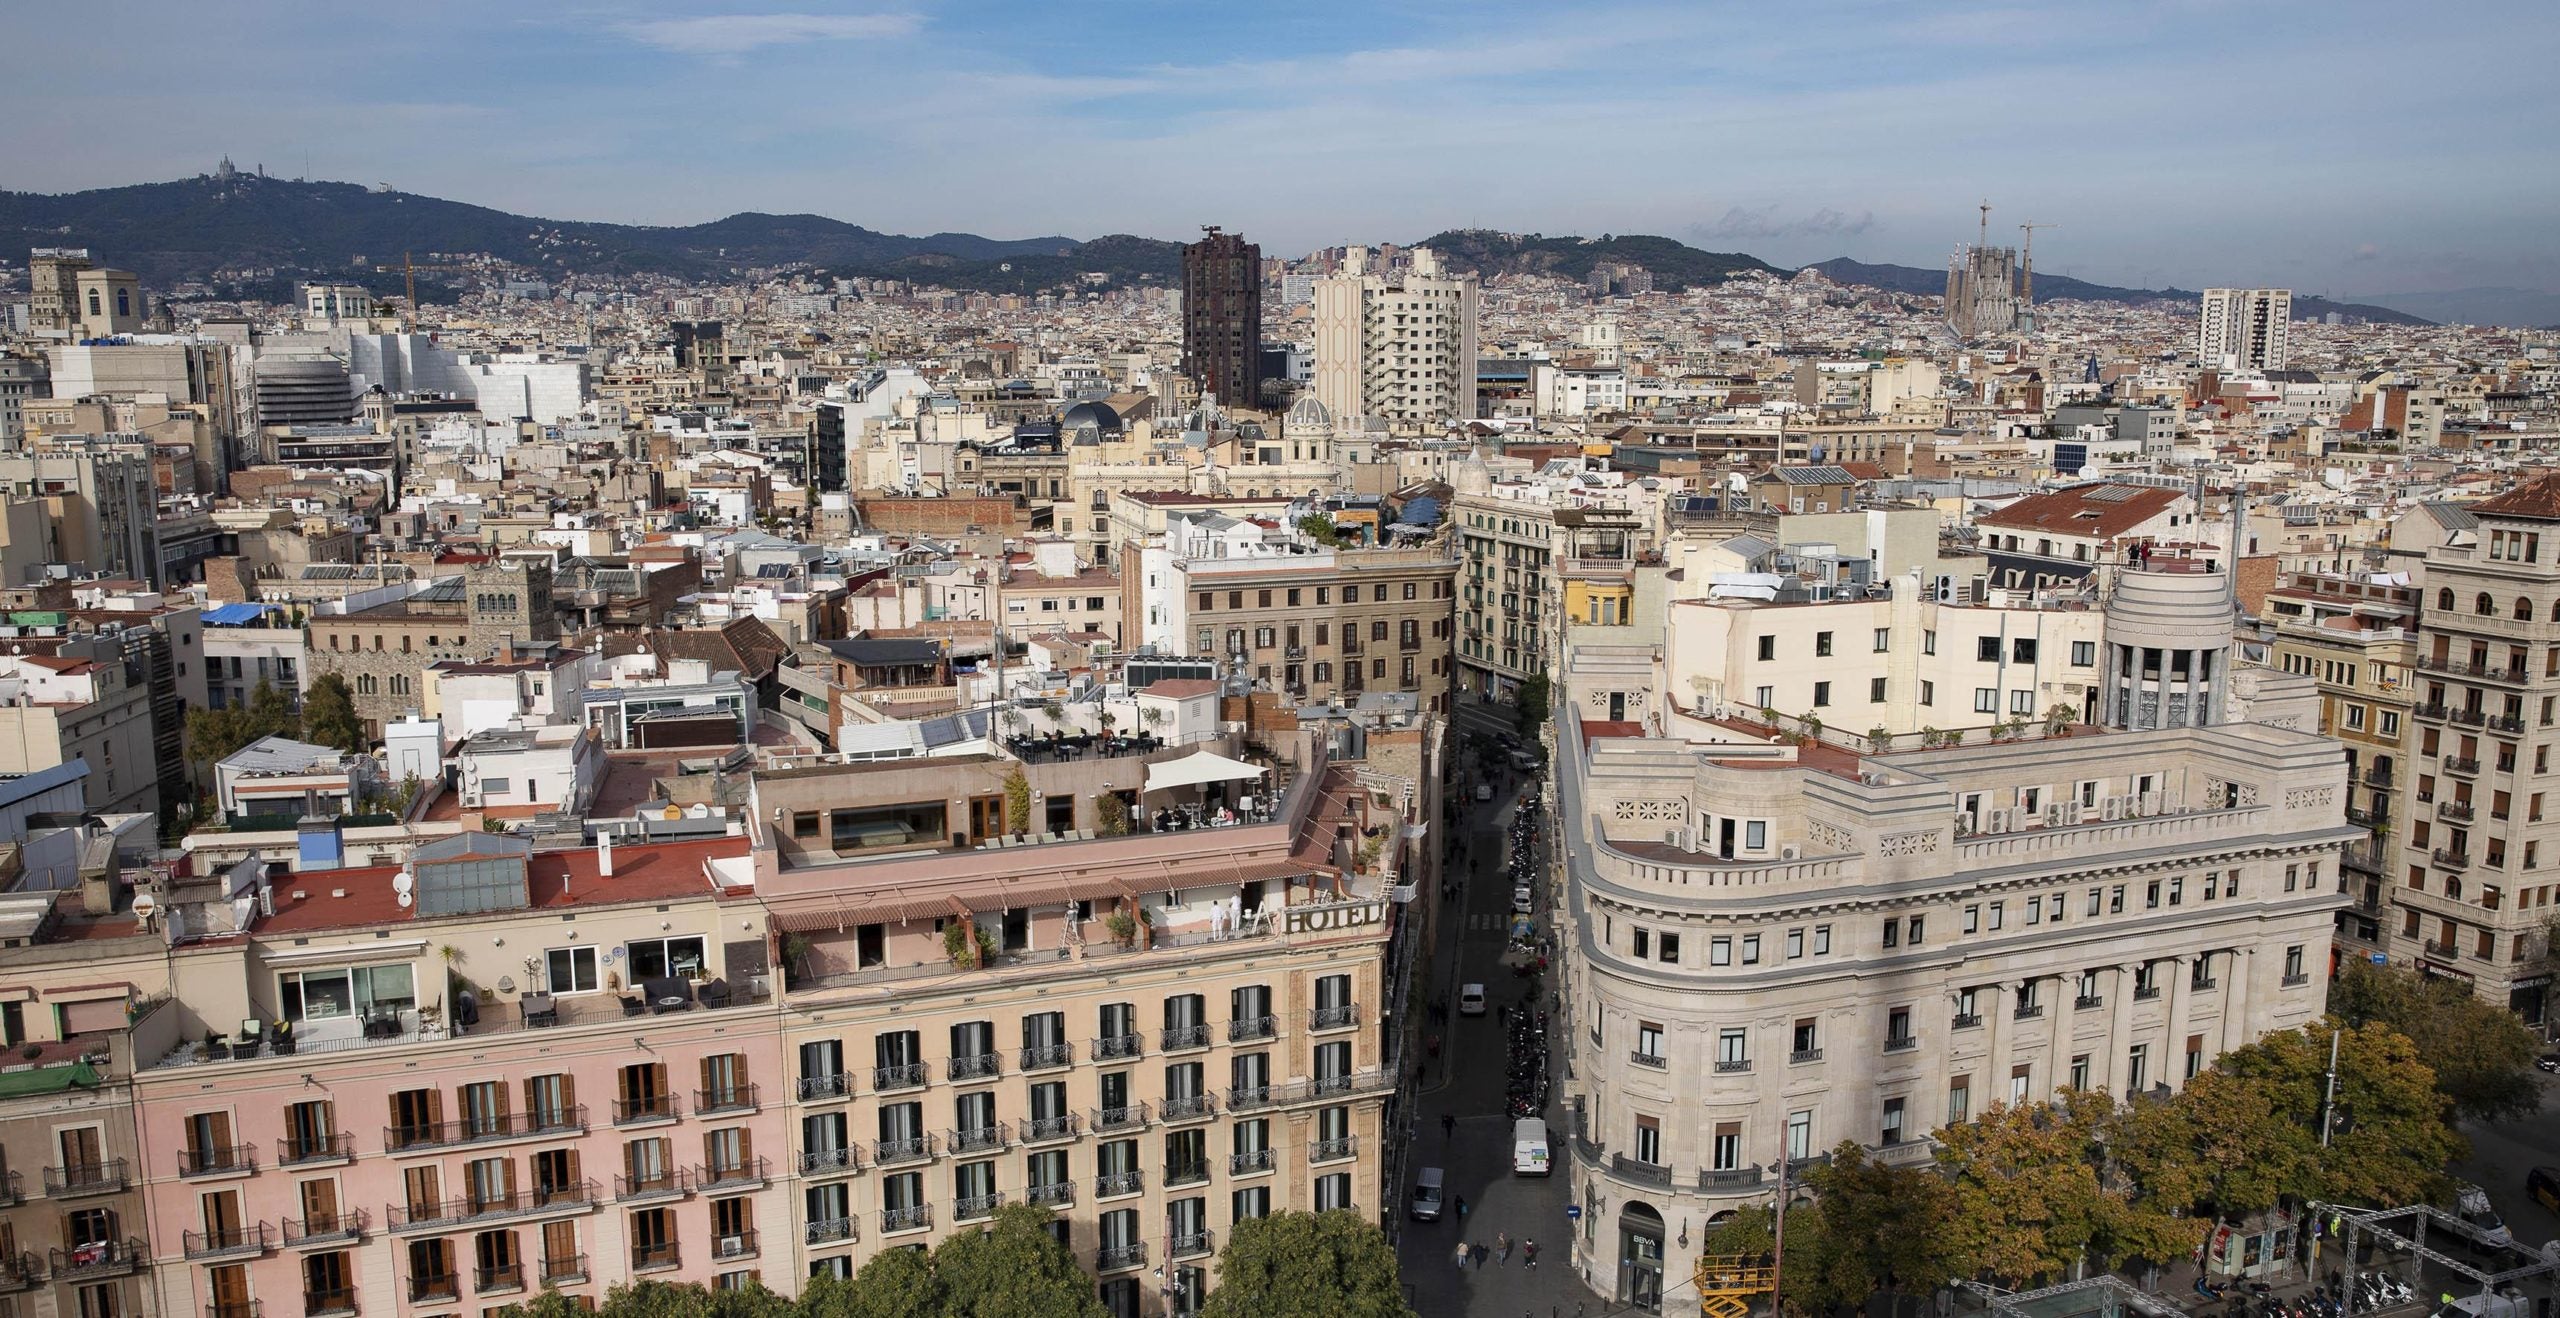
(729, 35)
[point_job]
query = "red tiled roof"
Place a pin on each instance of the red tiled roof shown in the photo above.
(2537, 501)
(2060, 513)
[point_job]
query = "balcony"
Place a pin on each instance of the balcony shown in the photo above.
(1189, 1107)
(236, 1309)
(541, 1201)
(1642, 1058)
(972, 1208)
(2442, 951)
(231, 1160)
(229, 1242)
(487, 1128)
(1190, 1244)
(1334, 1150)
(1040, 1130)
(74, 1180)
(1648, 1173)
(1048, 1056)
(1110, 1185)
(1247, 1098)
(2088, 1002)
(826, 1088)
(2146, 992)
(829, 1162)
(340, 1300)
(1733, 1066)
(1966, 1020)
(642, 1187)
(890, 1153)
(730, 1098)
(2027, 1011)
(1118, 1047)
(744, 1174)
(1186, 1173)
(2295, 980)
(655, 1258)
(314, 1150)
(105, 1258)
(1722, 1180)
(979, 1066)
(1801, 1056)
(432, 1287)
(1249, 1028)
(2461, 764)
(2452, 860)
(1179, 1037)
(917, 1218)
(1055, 1194)
(1901, 1043)
(564, 1270)
(899, 1075)
(644, 1109)
(1132, 1117)
(1111, 1258)
(736, 1245)
(1334, 1018)
(20, 1271)
(326, 1228)
(827, 1231)
(497, 1280)
(2460, 810)
(978, 1139)
(1249, 1162)
(2432, 713)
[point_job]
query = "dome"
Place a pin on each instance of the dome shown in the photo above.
(1097, 415)
(1308, 412)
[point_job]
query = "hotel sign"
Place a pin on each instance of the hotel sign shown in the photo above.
(1331, 916)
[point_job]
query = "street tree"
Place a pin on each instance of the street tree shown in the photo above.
(2390, 1133)
(1307, 1265)
(2482, 1054)
(2029, 1199)
(2228, 1144)
(895, 1283)
(1883, 1228)
(329, 715)
(1750, 1233)
(1011, 1267)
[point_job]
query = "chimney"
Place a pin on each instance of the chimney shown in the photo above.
(604, 855)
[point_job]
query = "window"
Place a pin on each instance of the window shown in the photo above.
(1642, 942)
(1884, 639)
(1821, 695)
(1875, 690)
(314, 995)
(1986, 700)
(1913, 936)
(1973, 919)
(1822, 940)
(1795, 944)
(1892, 931)
(1751, 949)
(1768, 647)
(1727, 1149)
(2084, 654)
(1799, 1135)
(1720, 951)
(2022, 650)
(1959, 1099)
(1668, 948)
(571, 970)
(1928, 642)
(1648, 1040)
(657, 958)
(1892, 1126)
(1928, 692)
(1733, 1050)
(1986, 649)
(1822, 645)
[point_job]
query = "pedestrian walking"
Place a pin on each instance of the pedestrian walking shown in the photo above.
(1478, 1250)
(1529, 1253)
(1502, 1249)
(1462, 1256)
(1448, 1126)
(1462, 1212)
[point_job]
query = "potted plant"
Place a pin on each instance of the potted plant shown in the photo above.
(1810, 729)
(1123, 927)
(2058, 718)
(1769, 715)
(968, 946)
(1878, 740)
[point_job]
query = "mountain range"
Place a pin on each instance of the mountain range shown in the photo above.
(248, 235)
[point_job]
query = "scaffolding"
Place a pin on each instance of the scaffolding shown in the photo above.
(2405, 1229)
(1727, 1283)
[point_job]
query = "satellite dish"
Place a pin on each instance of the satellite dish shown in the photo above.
(144, 904)
(403, 883)
(404, 899)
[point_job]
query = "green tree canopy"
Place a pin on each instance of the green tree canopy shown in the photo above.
(1884, 1228)
(329, 716)
(1531, 701)
(1307, 1265)
(2481, 1053)
(1012, 1268)
(1810, 1279)
(2034, 1194)
(896, 1283)
(1320, 528)
(214, 734)
(2390, 1136)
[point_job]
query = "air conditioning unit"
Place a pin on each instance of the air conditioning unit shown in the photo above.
(1676, 838)
(732, 1246)
(2150, 804)
(2072, 812)
(1790, 851)
(2053, 816)
(2111, 808)
(1995, 821)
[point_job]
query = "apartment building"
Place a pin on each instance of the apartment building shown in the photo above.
(60, 710)
(1773, 949)
(1523, 549)
(1222, 317)
(101, 503)
(384, 648)
(2470, 901)
(1158, 1035)
(2247, 329)
(1325, 626)
(1397, 346)
(71, 1221)
(2061, 538)
(2357, 637)
(1899, 660)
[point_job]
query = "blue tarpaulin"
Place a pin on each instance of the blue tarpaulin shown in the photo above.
(237, 615)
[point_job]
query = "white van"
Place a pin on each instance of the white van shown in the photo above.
(1427, 1186)
(2471, 1204)
(1529, 1147)
(1471, 1000)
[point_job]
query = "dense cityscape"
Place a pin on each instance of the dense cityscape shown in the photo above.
(778, 769)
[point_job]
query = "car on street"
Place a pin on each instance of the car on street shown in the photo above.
(1521, 902)
(1526, 761)
(1425, 1205)
(1471, 1000)
(1484, 791)
(2543, 1183)
(2548, 1062)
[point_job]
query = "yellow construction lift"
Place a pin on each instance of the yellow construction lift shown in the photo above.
(1727, 1283)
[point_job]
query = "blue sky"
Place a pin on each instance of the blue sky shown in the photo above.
(2349, 146)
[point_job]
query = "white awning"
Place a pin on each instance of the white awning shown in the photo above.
(1193, 770)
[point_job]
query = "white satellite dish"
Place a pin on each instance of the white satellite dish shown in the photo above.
(403, 899)
(144, 904)
(402, 883)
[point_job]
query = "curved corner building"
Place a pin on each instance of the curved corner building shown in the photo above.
(1772, 950)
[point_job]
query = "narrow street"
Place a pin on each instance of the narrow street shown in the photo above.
(1466, 1083)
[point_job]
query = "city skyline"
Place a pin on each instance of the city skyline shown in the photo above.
(2122, 124)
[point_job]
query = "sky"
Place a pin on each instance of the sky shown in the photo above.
(2348, 146)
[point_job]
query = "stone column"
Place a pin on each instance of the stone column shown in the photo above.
(2110, 1069)
(1948, 1036)
(2236, 1031)
(2004, 1003)
(2173, 1071)
(2066, 990)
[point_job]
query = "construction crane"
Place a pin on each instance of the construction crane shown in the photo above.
(409, 272)
(2027, 261)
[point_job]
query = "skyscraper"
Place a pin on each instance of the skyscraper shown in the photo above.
(1399, 346)
(1222, 317)
(2245, 328)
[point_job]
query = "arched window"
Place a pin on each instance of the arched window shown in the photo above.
(2444, 600)
(2484, 606)
(2524, 609)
